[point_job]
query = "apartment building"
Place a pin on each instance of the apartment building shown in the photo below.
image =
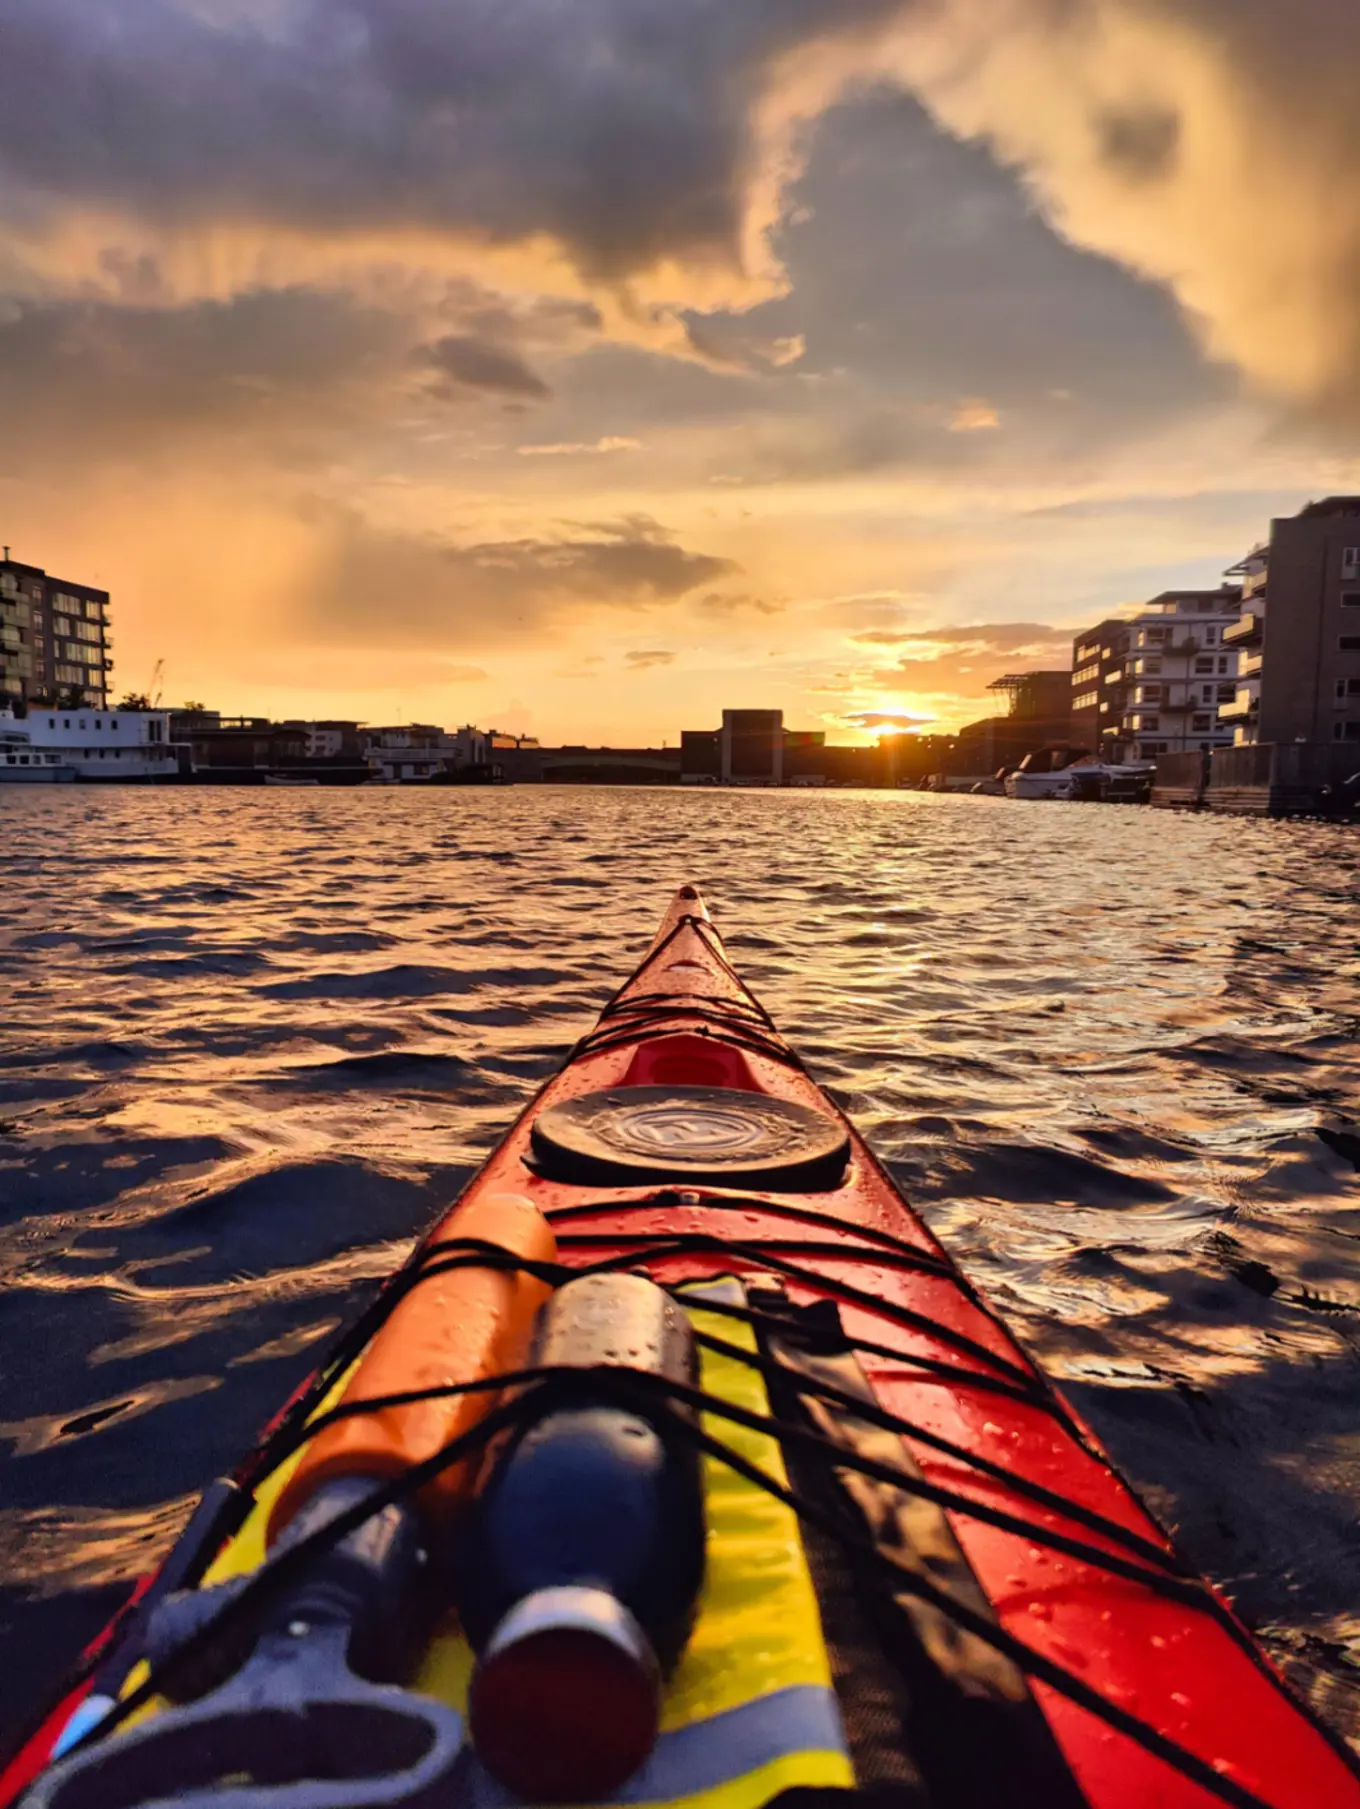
(1099, 687)
(1298, 638)
(55, 646)
(1179, 672)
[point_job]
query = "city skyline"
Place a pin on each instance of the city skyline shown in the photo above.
(787, 354)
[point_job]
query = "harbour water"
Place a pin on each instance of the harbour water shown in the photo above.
(251, 1041)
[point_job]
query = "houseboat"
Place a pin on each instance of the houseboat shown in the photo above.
(87, 745)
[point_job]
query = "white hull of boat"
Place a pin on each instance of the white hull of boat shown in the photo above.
(36, 775)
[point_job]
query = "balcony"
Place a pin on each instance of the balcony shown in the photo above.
(1249, 664)
(1247, 631)
(1243, 707)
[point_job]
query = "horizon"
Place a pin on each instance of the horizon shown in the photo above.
(577, 380)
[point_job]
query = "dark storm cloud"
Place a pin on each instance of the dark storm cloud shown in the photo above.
(378, 585)
(462, 359)
(922, 274)
(621, 127)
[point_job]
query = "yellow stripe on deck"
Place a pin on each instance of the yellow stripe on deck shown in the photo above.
(758, 1631)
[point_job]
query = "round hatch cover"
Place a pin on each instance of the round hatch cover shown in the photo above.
(690, 1134)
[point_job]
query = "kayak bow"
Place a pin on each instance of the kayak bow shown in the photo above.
(921, 1576)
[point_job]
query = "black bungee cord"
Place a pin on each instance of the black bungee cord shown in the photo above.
(627, 1386)
(300, 1422)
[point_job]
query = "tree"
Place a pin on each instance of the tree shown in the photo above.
(193, 706)
(135, 700)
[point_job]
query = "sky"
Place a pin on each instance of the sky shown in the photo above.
(584, 367)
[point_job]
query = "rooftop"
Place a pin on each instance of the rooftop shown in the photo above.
(1330, 505)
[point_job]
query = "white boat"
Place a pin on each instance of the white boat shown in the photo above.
(1068, 774)
(21, 765)
(87, 744)
(1046, 773)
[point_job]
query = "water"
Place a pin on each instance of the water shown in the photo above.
(251, 1041)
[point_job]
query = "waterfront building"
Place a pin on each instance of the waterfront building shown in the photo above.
(1179, 671)
(754, 748)
(409, 751)
(92, 745)
(1099, 688)
(237, 750)
(1038, 715)
(54, 638)
(701, 756)
(1298, 638)
(751, 747)
(331, 740)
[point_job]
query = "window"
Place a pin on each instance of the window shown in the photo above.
(1346, 731)
(1204, 665)
(1149, 723)
(1347, 687)
(1207, 693)
(1210, 636)
(1201, 724)
(51, 722)
(1223, 662)
(1350, 599)
(1349, 643)
(1087, 701)
(1350, 562)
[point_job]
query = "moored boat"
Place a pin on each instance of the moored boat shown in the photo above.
(923, 1581)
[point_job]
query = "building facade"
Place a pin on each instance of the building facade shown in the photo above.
(1099, 688)
(1178, 673)
(1298, 638)
(1039, 715)
(752, 747)
(55, 646)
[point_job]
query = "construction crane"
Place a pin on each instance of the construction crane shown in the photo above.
(153, 690)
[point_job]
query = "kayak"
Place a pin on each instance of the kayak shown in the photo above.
(678, 1465)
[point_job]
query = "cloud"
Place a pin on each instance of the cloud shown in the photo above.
(893, 722)
(1213, 145)
(464, 359)
(610, 442)
(630, 132)
(93, 375)
(374, 586)
(973, 415)
(642, 661)
(718, 604)
(965, 660)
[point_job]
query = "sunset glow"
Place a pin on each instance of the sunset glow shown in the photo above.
(831, 358)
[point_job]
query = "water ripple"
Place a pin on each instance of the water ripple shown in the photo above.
(252, 1042)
